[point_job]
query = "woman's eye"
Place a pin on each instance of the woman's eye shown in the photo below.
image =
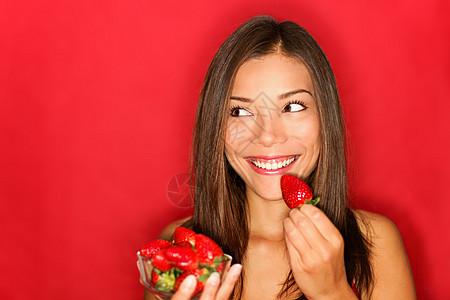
(293, 107)
(239, 112)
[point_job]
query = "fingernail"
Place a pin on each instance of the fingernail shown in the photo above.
(236, 270)
(214, 279)
(190, 281)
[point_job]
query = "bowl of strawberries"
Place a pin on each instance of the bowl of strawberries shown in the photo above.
(164, 265)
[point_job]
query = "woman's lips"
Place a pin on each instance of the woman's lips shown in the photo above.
(271, 165)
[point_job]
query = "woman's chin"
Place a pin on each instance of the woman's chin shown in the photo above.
(268, 194)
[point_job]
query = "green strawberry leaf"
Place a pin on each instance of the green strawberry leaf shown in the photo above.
(219, 259)
(157, 271)
(177, 272)
(167, 281)
(203, 277)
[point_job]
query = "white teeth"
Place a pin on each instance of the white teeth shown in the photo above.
(274, 165)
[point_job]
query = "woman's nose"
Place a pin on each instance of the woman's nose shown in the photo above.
(269, 130)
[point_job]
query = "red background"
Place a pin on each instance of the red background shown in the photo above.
(97, 102)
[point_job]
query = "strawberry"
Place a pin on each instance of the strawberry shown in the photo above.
(163, 281)
(296, 192)
(201, 274)
(160, 261)
(183, 234)
(183, 244)
(149, 249)
(220, 264)
(207, 249)
(183, 258)
(155, 276)
(173, 262)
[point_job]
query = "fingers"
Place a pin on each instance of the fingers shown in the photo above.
(211, 290)
(307, 228)
(211, 286)
(311, 238)
(228, 284)
(186, 288)
(295, 236)
(322, 223)
(294, 254)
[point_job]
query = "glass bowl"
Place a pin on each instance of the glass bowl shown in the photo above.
(221, 265)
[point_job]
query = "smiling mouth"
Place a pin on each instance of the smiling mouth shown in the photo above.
(272, 164)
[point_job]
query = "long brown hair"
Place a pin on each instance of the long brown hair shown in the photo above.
(220, 204)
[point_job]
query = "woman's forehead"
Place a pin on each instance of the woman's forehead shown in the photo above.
(273, 74)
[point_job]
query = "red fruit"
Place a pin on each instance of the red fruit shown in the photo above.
(296, 192)
(163, 281)
(183, 234)
(160, 261)
(149, 249)
(183, 258)
(184, 244)
(207, 249)
(201, 274)
(155, 277)
(220, 264)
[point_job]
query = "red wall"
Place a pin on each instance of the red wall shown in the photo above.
(97, 100)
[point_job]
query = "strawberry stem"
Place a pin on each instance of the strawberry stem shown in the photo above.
(313, 202)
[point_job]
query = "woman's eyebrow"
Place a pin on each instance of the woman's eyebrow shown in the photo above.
(288, 94)
(242, 99)
(280, 97)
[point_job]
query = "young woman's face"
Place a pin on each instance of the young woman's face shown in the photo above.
(273, 125)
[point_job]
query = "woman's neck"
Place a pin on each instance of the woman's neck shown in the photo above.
(266, 216)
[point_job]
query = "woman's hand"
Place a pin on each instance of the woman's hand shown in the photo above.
(213, 289)
(316, 250)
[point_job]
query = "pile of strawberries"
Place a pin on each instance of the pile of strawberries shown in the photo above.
(188, 254)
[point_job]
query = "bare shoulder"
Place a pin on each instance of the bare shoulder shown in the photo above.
(167, 232)
(376, 227)
(391, 269)
(381, 233)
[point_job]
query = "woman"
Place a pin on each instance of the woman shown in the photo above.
(269, 106)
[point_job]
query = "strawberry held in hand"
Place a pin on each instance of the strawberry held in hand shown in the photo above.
(296, 192)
